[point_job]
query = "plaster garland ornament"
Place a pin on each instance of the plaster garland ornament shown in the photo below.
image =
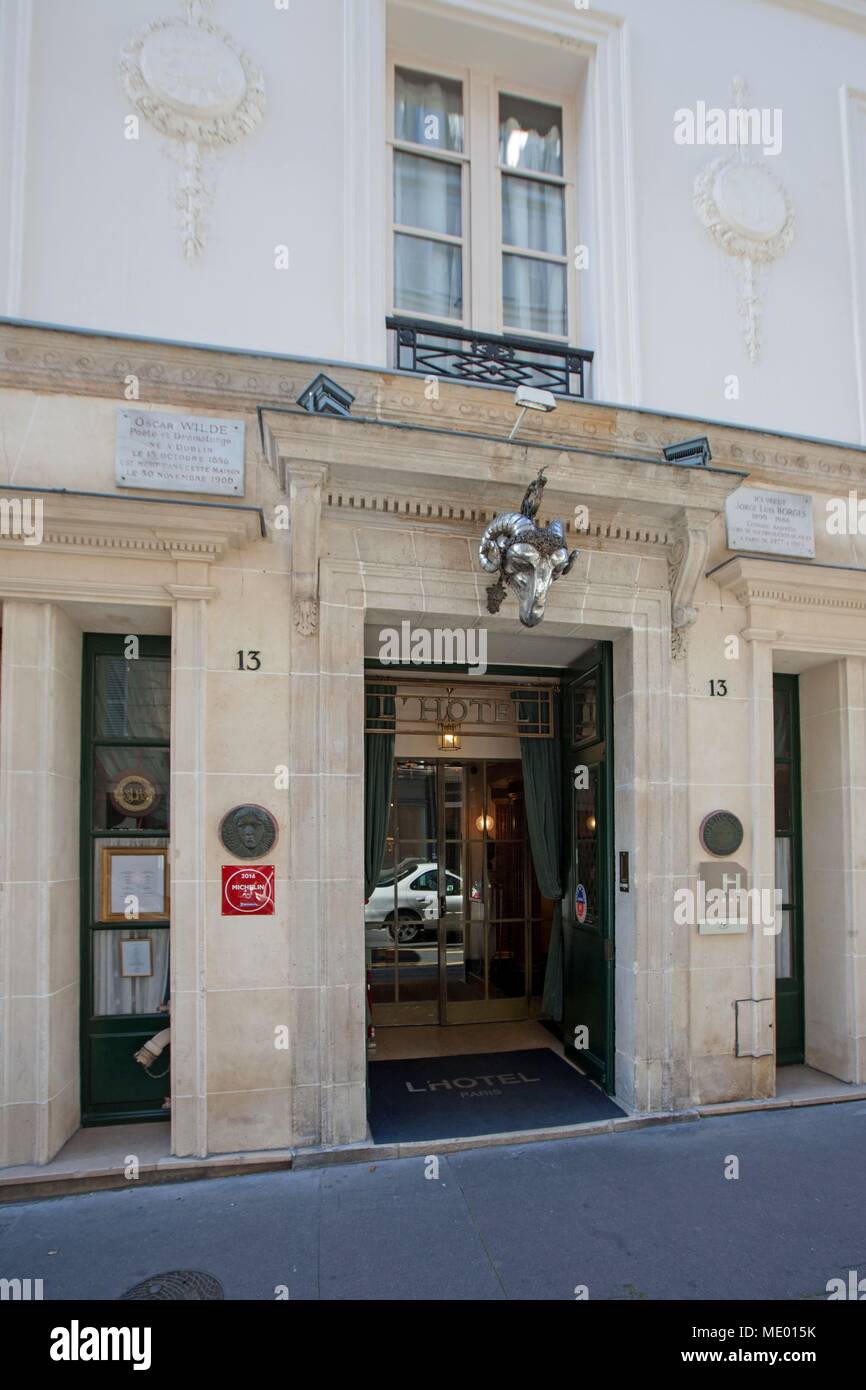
(306, 616)
(195, 85)
(746, 209)
(528, 558)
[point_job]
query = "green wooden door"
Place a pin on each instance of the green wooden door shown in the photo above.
(125, 892)
(588, 918)
(790, 1027)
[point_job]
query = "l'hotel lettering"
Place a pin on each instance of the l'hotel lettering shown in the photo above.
(435, 708)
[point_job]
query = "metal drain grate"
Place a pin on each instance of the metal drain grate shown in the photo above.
(183, 1285)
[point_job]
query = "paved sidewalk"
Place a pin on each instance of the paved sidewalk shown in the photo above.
(642, 1214)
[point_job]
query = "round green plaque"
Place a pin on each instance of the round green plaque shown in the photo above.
(721, 833)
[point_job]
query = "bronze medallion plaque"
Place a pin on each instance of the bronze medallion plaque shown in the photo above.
(721, 833)
(133, 794)
(248, 832)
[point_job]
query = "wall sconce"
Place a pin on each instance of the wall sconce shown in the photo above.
(449, 729)
(591, 823)
(484, 823)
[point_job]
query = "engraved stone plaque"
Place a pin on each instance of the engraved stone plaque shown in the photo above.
(179, 453)
(773, 523)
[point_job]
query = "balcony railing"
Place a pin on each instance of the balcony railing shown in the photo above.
(490, 359)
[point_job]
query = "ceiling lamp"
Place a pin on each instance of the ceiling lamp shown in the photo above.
(449, 729)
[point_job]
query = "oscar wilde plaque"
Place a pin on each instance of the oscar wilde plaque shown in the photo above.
(179, 453)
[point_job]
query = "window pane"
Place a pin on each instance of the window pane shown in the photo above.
(533, 215)
(115, 993)
(785, 946)
(785, 869)
(132, 698)
(586, 848)
(428, 110)
(584, 709)
(130, 789)
(782, 722)
(427, 194)
(530, 135)
(783, 797)
(534, 295)
(428, 277)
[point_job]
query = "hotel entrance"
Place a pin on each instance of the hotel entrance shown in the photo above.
(488, 884)
(456, 929)
(488, 850)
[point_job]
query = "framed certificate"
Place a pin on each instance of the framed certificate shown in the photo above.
(136, 957)
(134, 884)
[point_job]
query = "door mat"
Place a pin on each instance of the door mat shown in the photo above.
(480, 1093)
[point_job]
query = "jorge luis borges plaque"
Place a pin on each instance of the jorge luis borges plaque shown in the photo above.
(179, 453)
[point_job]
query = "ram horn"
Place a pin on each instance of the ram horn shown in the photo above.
(512, 525)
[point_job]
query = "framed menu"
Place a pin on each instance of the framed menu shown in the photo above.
(136, 957)
(134, 883)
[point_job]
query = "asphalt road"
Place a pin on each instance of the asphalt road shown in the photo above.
(647, 1214)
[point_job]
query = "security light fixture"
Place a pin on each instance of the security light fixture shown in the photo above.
(694, 453)
(530, 398)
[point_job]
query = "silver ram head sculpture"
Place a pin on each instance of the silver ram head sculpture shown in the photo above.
(527, 558)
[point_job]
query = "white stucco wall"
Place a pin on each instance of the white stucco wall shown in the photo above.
(88, 236)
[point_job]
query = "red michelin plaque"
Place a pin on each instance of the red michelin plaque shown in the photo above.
(248, 892)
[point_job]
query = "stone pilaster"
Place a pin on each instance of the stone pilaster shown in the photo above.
(40, 724)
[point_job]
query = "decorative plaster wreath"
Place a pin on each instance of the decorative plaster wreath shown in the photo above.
(195, 85)
(747, 211)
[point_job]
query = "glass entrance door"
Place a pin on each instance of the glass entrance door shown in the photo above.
(588, 917)
(125, 888)
(456, 929)
(790, 1026)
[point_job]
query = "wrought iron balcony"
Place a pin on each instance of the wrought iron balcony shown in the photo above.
(490, 359)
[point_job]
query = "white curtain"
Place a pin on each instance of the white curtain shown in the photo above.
(115, 994)
(532, 215)
(520, 148)
(783, 941)
(427, 194)
(534, 295)
(428, 277)
(428, 110)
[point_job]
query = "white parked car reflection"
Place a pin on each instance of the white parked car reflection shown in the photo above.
(415, 912)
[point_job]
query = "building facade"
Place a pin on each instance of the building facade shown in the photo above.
(387, 219)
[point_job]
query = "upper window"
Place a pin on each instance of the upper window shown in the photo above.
(534, 266)
(480, 205)
(428, 195)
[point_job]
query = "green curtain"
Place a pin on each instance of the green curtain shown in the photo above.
(378, 776)
(542, 785)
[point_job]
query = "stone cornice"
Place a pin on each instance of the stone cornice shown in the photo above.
(134, 527)
(400, 460)
(352, 506)
(761, 583)
(46, 360)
